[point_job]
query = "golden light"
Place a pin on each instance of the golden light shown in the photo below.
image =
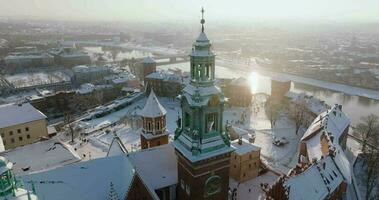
(253, 82)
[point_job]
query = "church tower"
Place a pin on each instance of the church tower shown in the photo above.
(202, 147)
(154, 131)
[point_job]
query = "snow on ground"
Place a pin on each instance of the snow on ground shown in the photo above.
(102, 129)
(280, 158)
(39, 78)
(255, 192)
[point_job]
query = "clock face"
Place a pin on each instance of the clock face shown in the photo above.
(212, 185)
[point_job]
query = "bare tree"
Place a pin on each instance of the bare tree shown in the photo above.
(368, 130)
(297, 113)
(68, 120)
(272, 111)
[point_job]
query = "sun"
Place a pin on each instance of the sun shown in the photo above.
(253, 82)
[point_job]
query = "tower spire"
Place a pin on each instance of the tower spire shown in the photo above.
(202, 20)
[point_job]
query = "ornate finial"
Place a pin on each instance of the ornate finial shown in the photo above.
(202, 19)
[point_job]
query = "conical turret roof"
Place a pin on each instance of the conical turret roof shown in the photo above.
(152, 108)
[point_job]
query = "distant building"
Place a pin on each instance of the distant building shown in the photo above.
(28, 60)
(124, 79)
(153, 116)
(279, 87)
(165, 84)
(89, 74)
(21, 124)
(143, 68)
(70, 57)
(239, 93)
(244, 160)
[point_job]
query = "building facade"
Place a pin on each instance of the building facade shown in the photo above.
(202, 147)
(244, 161)
(164, 84)
(143, 68)
(21, 124)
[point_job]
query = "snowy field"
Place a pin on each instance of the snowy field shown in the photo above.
(40, 78)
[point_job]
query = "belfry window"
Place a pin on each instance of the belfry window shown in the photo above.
(187, 120)
(211, 122)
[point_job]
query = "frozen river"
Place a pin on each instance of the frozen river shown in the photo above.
(354, 106)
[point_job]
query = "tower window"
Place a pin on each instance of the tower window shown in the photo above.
(187, 119)
(211, 122)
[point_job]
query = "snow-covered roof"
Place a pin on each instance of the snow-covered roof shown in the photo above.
(307, 185)
(165, 75)
(331, 123)
(88, 180)
(13, 114)
(152, 107)
(316, 182)
(157, 166)
(243, 147)
(90, 69)
(343, 164)
(148, 60)
(41, 155)
(86, 88)
(117, 147)
(313, 104)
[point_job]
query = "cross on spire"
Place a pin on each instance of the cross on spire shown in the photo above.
(202, 19)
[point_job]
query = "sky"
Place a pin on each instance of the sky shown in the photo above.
(189, 10)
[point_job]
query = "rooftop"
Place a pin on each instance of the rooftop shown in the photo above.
(243, 147)
(160, 159)
(152, 107)
(40, 156)
(88, 180)
(14, 114)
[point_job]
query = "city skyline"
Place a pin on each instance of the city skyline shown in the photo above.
(184, 11)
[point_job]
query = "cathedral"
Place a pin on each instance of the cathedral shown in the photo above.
(203, 149)
(199, 156)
